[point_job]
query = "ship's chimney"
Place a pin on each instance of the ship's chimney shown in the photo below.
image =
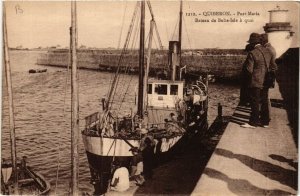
(279, 31)
(173, 59)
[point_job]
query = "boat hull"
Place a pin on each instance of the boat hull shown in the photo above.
(100, 159)
(101, 151)
(105, 146)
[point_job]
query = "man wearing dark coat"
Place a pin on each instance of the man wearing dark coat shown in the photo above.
(273, 65)
(271, 49)
(244, 91)
(256, 66)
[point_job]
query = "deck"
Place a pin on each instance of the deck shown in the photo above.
(261, 161)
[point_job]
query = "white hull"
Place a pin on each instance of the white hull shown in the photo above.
(103, 146)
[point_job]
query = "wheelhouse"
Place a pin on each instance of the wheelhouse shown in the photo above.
(164, 93)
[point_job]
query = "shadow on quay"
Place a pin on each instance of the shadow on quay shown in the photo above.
(241, 186)
(287, 77)
(284, 160)
(181, 174)
(274, 172)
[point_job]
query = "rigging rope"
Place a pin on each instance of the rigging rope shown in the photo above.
(119, 42)
(167, 31)
(114, 82)
(147, 37)
(175, 29)
(136, 33)
(127, 68)
(126, 90)
(156, 29)
(187, 34)
(122, 78)
(155, 42)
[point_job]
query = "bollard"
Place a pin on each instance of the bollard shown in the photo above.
(220, 115)
(103, 104)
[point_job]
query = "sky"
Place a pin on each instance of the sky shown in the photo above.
(44, 23)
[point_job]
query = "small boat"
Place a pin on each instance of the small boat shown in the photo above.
(16, 177)
(29, 181)
(37, 70)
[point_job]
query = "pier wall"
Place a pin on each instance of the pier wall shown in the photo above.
(288, 81)
(227, 66)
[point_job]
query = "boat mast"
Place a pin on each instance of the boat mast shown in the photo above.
(141, 62)
(75, 103)
(11, 106)
(180, 32)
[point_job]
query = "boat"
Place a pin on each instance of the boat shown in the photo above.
(171, 109)
(37, 70)
(29, 181)
(17, 178)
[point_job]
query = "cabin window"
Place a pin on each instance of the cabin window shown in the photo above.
(161, 89)
(174, 89)
(149, 90)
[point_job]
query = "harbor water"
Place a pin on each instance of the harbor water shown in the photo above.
(42, 107)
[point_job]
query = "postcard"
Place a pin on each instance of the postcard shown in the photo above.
(150, 97)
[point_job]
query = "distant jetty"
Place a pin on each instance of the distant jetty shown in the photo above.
(222, 63)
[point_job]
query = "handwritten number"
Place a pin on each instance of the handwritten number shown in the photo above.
(18, 9)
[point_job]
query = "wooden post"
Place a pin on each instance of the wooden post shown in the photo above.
(11, 106)
(141, 62)
(75, 104)
(220, 115)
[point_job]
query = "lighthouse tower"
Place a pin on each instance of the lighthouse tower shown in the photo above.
(279, 31)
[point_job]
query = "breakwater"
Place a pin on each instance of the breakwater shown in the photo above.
(225, 64)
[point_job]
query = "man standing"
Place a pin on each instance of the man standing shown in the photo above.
(148, 158)
(273, 65)
(266, 44)
(256, 64)
(244, 91)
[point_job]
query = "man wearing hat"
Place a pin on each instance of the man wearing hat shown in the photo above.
(256, 67)
(273, 65)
